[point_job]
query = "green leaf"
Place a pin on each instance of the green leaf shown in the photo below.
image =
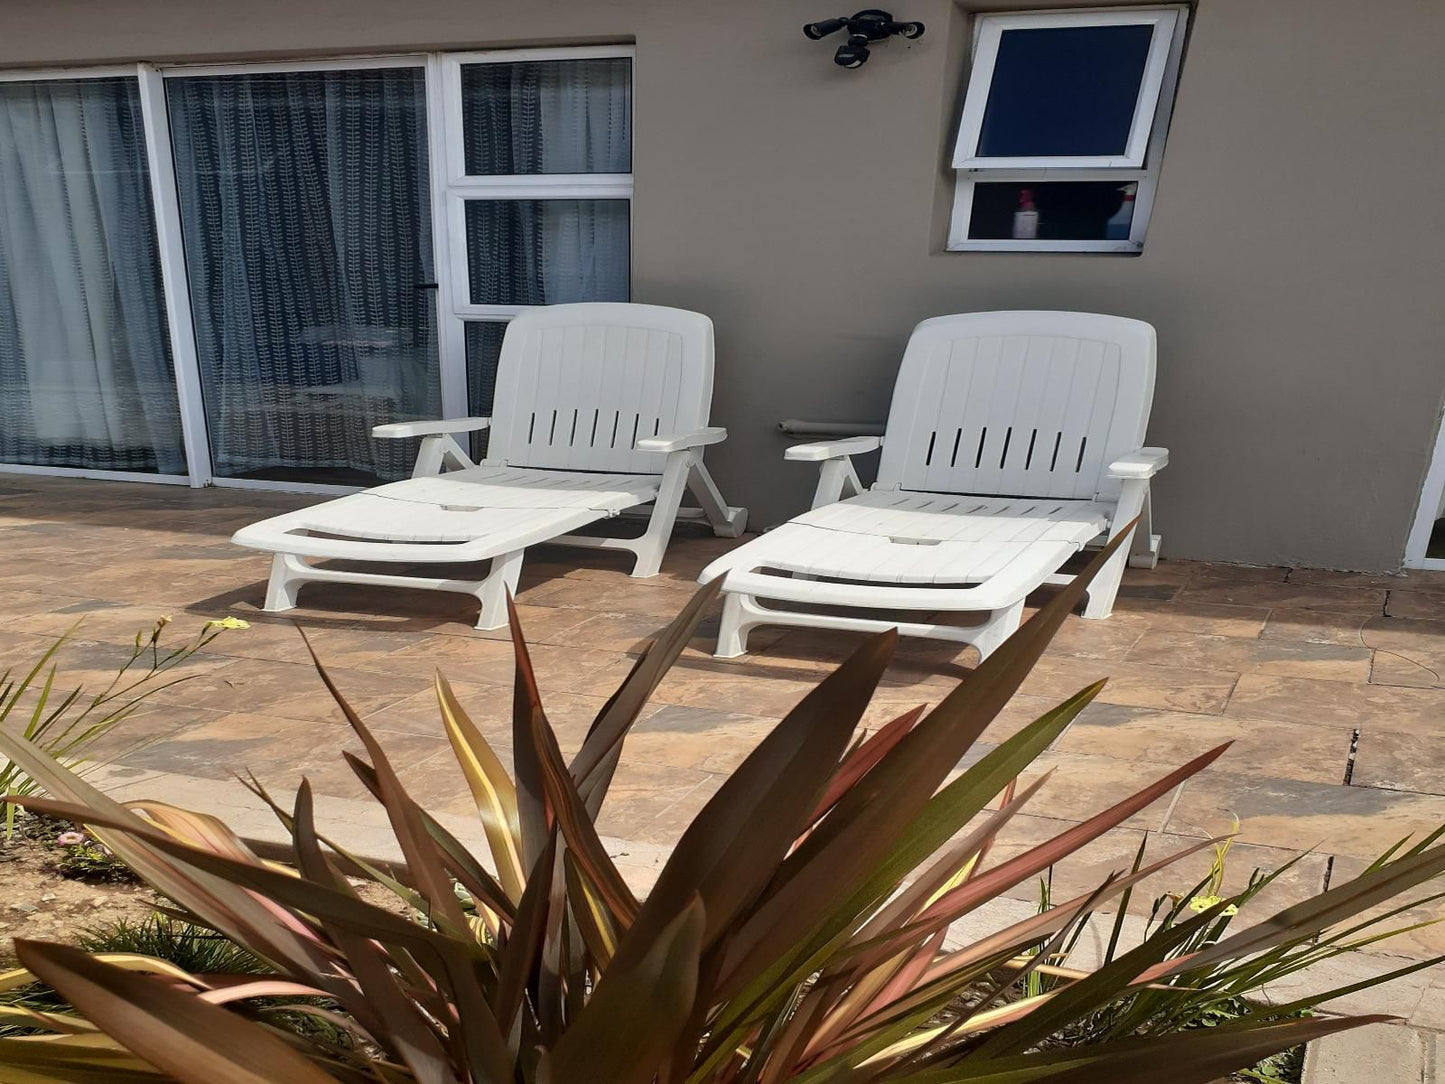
(195, 1042)
(629, 1027)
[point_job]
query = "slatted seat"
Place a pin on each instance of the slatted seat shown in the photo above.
(1013, 441)
(602, 410)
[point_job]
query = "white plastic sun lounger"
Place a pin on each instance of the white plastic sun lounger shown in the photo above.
(1014, 440)
(599, 409)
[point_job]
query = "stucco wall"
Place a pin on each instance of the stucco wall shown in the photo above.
(1292, 266)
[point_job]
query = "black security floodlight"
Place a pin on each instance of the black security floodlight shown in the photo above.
(864, 28)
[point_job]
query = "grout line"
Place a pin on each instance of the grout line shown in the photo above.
(1350, 759)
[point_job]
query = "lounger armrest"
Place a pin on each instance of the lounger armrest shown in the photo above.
(430, 429)
(1145, 463)
(833, 449)
(676, 442)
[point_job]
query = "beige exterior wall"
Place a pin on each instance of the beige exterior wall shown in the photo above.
(1293, 266)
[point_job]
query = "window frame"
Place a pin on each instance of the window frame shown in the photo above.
(1138, 166)
(462, 186)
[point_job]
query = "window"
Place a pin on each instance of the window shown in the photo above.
(228, 273)
(539, 190)
(86, 374)
(1062, 129)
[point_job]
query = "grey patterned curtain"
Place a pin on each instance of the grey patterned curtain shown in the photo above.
(85, 364)
(306, 217)
(543, 117)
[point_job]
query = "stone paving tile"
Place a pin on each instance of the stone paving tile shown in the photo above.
(1178, 688)
(1399, 760)
(279, 752)
(1407, 652)
(607, 596)
(1427, 941)
(1082, 785)
(1427, 605)
(490, 708)
(1202, 617)
(1350, 704)
(1165, 739)
(1345, 600)
(494, 662)
(697, 739)
(643, 794)
(1115, 851)
(1329, 661)
(1358, 821)
(1315, 627)
(288, 690)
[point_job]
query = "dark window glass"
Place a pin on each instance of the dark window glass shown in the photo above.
(550, 116)
(1061, 91)
(547, 252)
(1052, 210)
(484, 350)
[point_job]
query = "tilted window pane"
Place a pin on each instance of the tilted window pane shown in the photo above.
(550, 116)
(1064, 91)
(85, 362)
(306, 210)
(547, 252)
(1052, 211)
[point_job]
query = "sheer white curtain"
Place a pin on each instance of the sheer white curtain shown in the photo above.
(305, 211)
(85, 366)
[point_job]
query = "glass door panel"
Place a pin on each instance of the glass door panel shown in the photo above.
(305, 210)
(86, 378)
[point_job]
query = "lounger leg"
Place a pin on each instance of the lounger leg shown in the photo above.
(506, 571)
(1001, 624)
(737, 621)
(1105, 585)
(653, 543)
(726, 521)
(287, 576)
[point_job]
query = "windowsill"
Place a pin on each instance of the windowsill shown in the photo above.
(1116, 248)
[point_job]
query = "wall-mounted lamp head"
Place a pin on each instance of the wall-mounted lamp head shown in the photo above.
(863, 29)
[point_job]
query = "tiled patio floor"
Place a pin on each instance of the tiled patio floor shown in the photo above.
(1329, 684)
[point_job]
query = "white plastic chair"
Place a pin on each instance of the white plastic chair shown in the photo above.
(1014, 440)
(599, 409)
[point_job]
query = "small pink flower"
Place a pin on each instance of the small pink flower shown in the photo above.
(70, 839)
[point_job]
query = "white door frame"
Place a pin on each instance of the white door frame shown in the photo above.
(1432, 494)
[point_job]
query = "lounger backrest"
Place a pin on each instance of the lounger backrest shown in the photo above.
(578, 385)
(1031, 404)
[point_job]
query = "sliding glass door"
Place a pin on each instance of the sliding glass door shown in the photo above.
(230, 274)
(306, 215)
(86, 378)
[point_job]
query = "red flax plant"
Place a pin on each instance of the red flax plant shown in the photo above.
(796, 933)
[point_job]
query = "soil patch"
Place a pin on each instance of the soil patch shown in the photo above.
(42, 904)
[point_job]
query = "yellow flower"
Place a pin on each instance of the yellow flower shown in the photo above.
(227, 623)
(165, 619)
(1204, 903)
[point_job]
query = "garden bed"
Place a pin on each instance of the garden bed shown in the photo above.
(49, 898)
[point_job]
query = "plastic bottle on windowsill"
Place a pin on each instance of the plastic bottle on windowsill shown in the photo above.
(1026, 218)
